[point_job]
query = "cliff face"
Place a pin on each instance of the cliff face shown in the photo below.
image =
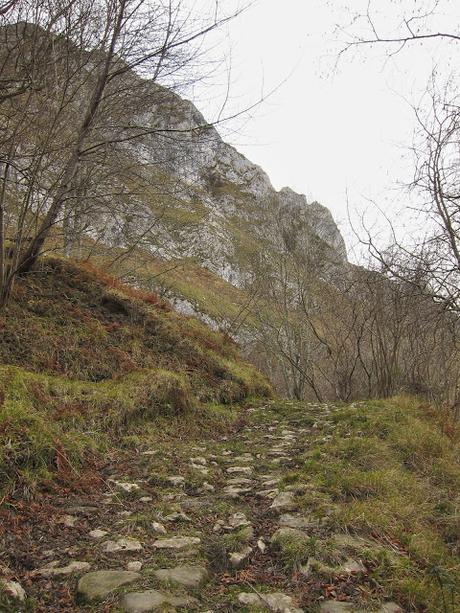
(232, 213)
(179, 186)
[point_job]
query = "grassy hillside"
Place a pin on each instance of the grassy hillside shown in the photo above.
(82, 355)
(382, 479)
(208, 293)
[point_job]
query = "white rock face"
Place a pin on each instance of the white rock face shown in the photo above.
(234, 195)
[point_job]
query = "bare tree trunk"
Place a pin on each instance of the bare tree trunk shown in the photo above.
(31, 254)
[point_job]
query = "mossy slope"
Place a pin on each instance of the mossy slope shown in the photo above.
(82, 355)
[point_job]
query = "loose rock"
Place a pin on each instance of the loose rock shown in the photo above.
(127, 487)
(157, 527)
(68, 521)
(296, 521)
(177, 542)
(189, 576)
(135, 566)
(238, 558)
(270, 602)
(352, 566)
(288, 534)
(336, 607)
(261, 545)
(200, 461)
(124, 544)
(285, 501)
(232, 491)
(390, 607)
(152, 600)
(52, 570)
(97, 585)
(97, 534)
(237, 520)
(176, 480)
(177, 516)
(239, 469)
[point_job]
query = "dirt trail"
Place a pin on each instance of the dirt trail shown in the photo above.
(217, 526)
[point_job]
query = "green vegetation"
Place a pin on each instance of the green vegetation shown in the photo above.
(83, 356)
(385, 476)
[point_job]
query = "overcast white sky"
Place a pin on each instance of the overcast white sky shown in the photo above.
(325, 132)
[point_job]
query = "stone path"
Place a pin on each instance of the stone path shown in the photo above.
(211, 527)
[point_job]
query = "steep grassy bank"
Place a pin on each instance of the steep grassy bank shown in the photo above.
(83, 357)
(384, 476)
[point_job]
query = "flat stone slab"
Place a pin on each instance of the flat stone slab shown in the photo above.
(390, 607)
(126, 487)
(124, 544)
(152, 600)
(176, 480)
(270, 483)
(285, 501)
(240, 481)
(177, 542)
(245, 470)
(206, 487)
(189, 576)
(200, 461)
(270, 602)
(52, 570)
(97, 585)
(232, 491)
(13, 589)
(177, 516)
(272, 494)
(337, 607)
(244, 458)
(297, 521)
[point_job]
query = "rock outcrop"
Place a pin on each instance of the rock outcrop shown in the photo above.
(228, 209)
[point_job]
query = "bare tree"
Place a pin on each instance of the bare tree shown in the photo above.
(396, 25)
(64, 111)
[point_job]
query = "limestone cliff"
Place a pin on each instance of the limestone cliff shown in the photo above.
(230, 210)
